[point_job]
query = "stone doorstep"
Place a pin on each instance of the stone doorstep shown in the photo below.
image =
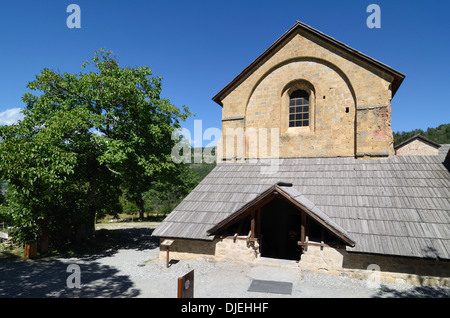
(275, 262)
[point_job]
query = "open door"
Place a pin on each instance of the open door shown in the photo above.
(280, 230)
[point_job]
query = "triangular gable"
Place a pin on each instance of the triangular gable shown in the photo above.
(397, 76)
(297, 199)
(418, 137)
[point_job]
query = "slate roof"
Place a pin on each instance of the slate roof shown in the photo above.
(394, 206)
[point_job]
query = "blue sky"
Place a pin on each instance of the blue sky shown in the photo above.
(200, 46)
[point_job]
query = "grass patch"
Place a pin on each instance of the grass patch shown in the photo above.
(123, 217)
(11, 252)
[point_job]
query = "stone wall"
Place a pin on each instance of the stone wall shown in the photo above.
(189, 250)
(404, 270)
(417, 148)
(236, 250)
(324, 260)
(349, 100)
(376, 268)
(317, 258)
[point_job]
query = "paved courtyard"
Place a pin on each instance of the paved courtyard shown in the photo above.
(132, 269)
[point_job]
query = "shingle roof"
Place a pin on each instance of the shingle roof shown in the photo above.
(394, 206)
(444, 149)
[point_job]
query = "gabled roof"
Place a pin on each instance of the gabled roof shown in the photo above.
(394, 206)
(398, 77)
(296, 198)
(418, 137)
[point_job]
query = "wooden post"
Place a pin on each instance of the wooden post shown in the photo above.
(167, 244)
(307, 227)
(252, 226)
(321, 239)
(30, 249)
(180, 287)
(44, 237)
(258, 222)
(303, 228)
(167, 257)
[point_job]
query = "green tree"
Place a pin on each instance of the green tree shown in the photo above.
(83, 138)
(440, 134)
(164, 195)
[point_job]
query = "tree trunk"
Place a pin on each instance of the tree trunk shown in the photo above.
(43, 244)
(141, 208)
(86, 230)
(91, 225)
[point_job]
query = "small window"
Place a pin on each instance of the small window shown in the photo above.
(299, 109)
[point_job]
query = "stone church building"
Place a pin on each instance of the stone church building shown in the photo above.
(307, 172)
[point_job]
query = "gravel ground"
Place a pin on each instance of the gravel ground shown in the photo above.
(132, 269)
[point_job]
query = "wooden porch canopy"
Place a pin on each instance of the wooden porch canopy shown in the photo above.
(286, 191)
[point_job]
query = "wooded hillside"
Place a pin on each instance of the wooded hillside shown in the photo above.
(440, 134)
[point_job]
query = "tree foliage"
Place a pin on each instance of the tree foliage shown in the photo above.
(440, 134)
(83, 139)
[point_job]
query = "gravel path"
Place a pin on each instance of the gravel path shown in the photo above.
(132, 269)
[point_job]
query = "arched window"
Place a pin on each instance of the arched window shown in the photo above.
(299, 109)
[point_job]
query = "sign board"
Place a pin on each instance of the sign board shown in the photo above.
(4, 235)
(186, 285)
(167, 243)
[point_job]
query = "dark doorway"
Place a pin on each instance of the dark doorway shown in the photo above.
(280, 230)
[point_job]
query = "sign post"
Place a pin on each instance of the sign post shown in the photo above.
(167, 244)
(186, 285)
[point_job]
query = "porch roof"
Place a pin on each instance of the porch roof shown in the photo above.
(299, 201)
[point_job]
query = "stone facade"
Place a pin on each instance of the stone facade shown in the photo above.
(350, 104)
(236, 250)
(189, 250)
(417, 147)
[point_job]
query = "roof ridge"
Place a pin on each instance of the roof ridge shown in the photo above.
(398, 76)
(418, 136)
